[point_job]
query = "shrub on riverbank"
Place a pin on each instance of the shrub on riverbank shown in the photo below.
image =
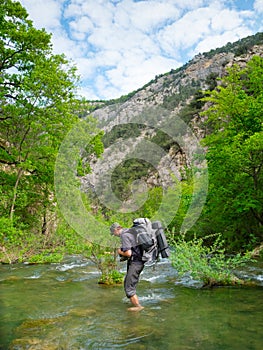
(209, 264)
(19, 246)
(112, 278)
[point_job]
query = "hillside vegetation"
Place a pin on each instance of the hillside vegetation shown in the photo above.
(218, 95)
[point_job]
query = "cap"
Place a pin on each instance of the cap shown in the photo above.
(113, 227)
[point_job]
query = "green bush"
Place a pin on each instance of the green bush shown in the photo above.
(8, 233)
(112, 277)
(208, 264)
(46, 257)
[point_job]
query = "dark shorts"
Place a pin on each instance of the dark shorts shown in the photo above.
(134, 268)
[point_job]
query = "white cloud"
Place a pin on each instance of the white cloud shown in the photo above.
(225, 20)
(86, 67)
(177, 35)
(45, 14)
(216, 41)
(73, 11)
(149, 16)
(118, 46)
(81, 27)
(63, 44)
(258, 6)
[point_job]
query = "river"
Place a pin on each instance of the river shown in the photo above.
(61, 306)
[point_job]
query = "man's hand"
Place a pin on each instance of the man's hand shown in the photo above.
(127, 253)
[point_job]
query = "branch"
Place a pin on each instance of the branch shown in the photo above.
(11, 96)
(5, 118)
(8, 58)
(257, 216)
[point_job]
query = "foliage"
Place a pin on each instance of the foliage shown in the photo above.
(111, 278)
(105, 260)
(235, 156)
(36, 103)
(46, 257)
(18, 244)
(126, 173)
(123, 131)
(38, 107)
(185, 92)
(211, 81)
(148, 208)
(164, 140)
(239, 47)
(185, 200)
(206, 263)
(10, 241)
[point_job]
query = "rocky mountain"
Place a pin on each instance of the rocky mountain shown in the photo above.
(160, 124)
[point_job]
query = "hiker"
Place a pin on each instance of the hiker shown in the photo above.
(130, 250)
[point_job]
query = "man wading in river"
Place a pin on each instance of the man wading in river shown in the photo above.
(135, 265)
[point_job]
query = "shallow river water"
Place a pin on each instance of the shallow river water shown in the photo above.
(62, 307)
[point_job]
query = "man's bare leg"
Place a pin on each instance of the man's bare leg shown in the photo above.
(135, 302)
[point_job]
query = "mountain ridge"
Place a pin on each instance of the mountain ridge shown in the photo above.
(151, 113)
(238, 48)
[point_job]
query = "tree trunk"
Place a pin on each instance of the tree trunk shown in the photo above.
(12, 209)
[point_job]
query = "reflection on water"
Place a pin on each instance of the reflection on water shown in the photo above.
(61, 306)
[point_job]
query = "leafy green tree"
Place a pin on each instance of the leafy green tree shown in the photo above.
(36, 101)
(38, 107)
(235, 155)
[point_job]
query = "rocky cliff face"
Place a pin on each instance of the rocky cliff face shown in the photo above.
(168, 104)
(196, 74)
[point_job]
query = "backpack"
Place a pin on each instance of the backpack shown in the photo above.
(151, 239)
(163, 247)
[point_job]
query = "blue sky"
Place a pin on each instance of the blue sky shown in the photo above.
(120, 45)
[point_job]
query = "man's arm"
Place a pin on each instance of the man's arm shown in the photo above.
(126, 247)
(127, 253)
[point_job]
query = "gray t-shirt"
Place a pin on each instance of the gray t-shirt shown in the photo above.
(128, 242)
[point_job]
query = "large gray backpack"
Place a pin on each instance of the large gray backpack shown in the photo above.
(151, 239)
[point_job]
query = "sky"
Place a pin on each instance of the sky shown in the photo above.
(118, 46)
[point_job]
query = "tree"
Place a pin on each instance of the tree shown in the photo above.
(37, 108)
(235, 155)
